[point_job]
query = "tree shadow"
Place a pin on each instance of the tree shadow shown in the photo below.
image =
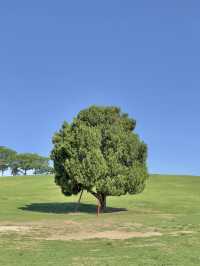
(68, 207)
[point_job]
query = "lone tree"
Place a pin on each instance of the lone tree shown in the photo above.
(99, 152)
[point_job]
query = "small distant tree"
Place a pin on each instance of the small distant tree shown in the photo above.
(26, 161)
(50, 170)
(44, 170)
(6, 157)
(40, 164)
(14, 164)
(3, 166)
(100, 153)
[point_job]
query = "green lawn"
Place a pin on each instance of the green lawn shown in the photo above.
(164, 223)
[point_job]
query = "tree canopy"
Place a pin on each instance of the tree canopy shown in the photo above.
(99, 152)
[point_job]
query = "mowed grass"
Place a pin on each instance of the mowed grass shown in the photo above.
(169, 208)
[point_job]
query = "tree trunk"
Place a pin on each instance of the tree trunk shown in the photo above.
(102, 201)
(79, 200)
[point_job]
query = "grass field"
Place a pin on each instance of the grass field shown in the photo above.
(38, 225)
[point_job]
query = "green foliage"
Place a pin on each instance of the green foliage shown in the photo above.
(99, 152)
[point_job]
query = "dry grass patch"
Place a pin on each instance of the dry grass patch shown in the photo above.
(71, 230)
(14, 228)
(92, 234)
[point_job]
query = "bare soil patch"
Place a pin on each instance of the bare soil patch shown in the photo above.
(103, 235)
(14, 228)
(72, 230)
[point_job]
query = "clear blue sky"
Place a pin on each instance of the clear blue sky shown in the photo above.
(57, 57)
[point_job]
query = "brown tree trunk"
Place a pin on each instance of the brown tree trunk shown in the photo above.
(79, 200)
(102, 201)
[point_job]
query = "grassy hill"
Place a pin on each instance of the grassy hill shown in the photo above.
(39, 226)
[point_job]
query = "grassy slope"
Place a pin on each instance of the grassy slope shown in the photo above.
(169, 203)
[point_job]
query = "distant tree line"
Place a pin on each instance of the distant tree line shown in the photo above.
(21, 163)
